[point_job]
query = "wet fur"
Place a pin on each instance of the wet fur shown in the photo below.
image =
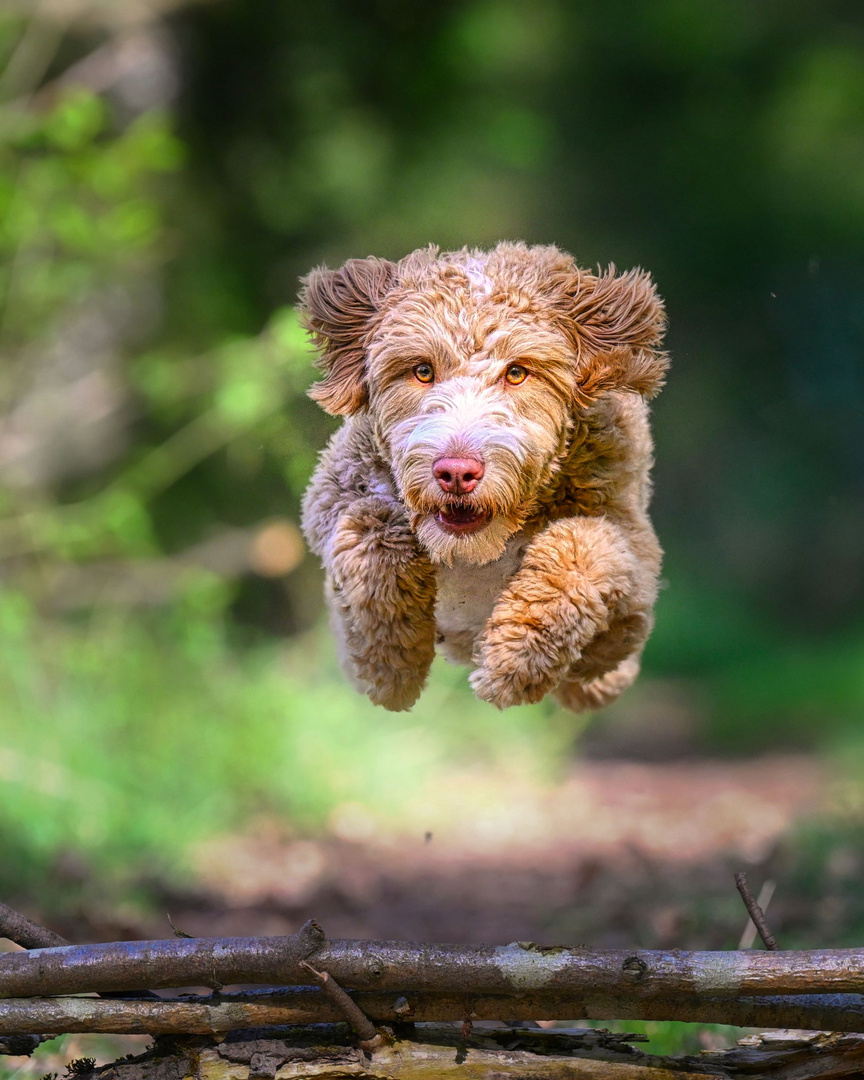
(555, 594)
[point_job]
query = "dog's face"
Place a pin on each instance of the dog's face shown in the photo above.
(470, 399)
(472, 368)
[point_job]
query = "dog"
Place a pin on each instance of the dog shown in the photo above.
(488, 490)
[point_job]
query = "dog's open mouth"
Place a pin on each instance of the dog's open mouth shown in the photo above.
(462, 519)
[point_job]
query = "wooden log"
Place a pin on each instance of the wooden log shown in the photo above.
(385, 965)
(303, 1005)
(435, 1052)
(432, 1053)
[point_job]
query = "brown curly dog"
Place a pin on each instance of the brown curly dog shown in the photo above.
(488, 491)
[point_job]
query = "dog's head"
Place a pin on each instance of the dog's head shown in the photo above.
(472, 368)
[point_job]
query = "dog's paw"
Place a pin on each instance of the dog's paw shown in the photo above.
(374, 528)
(517, 665)
(390, 663)
(375, 559)
(504, 689)
(395, 695)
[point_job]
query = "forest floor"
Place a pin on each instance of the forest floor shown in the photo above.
(618, 853)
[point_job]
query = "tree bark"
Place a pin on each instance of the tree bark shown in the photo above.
(142, 965)
(520, 967)
(301, 1005)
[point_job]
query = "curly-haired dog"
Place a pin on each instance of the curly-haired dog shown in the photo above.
(488, 491)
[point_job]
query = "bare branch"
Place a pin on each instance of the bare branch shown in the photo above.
(399, 966)
(30, 935)
(26, 933)
(310, 1005)
(755, 911)
(140, 965)
(441, 1052)
(326, 1052)
(361, 1024)
(433, 1051)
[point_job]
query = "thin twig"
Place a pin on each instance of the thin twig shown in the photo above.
(359, 1021)
(756, 912)
(31, 58)
(748, 934)
(177, 931)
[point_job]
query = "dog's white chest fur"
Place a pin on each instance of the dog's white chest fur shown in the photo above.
(466, 595)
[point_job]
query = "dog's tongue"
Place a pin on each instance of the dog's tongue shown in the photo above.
(462, 519)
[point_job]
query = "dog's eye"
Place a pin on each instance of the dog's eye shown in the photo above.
(516, 374)
(424, 373)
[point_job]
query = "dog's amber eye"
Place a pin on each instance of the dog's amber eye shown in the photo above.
(516, 374)
(424, 373)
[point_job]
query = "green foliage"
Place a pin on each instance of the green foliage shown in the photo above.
(64, 1051)
(82, 215)
(669, 1037)
(130, 740)
(77, 205)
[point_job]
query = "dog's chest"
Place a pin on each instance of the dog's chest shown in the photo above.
(466, 596)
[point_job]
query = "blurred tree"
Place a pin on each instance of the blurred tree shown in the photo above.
(169, 170)
(721, 148)
(114, 441)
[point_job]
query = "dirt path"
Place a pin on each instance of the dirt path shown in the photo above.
(617, 854)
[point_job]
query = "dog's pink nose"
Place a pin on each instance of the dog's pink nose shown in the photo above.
(458, 475)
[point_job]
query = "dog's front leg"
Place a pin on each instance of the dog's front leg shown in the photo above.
(579, 578)
(382, 592)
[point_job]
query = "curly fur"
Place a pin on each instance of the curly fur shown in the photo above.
(554, 590)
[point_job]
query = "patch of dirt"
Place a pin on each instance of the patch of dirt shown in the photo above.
(619, 854)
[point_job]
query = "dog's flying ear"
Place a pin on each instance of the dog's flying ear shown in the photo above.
(338, 308)
(617, 322)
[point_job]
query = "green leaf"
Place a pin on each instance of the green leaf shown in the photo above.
(76, 121)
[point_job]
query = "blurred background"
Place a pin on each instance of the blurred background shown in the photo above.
(173, 728)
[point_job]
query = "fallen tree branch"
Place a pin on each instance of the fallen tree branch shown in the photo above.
(307, 1005)
(400, 966)
(26, 933)
(30, 935)
(22, 931)
(140, 965)
(20, 1045)
(436, 1052)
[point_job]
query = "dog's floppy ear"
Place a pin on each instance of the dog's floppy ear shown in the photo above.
(617, 322)
(338, 308)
